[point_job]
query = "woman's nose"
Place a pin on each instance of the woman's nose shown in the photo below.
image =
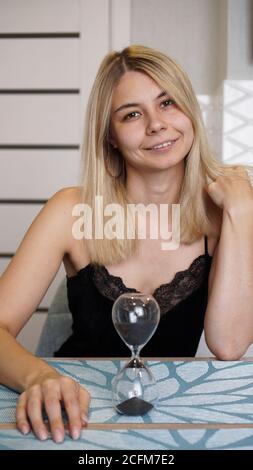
(155, 124)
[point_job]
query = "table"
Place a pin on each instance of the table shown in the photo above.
(204, 404)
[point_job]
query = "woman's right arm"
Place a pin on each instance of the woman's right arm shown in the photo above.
(22, 286)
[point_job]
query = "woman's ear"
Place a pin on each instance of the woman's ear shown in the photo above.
(111, 139)
(113, 143)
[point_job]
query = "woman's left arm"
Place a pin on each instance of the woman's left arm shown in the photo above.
(229, 314)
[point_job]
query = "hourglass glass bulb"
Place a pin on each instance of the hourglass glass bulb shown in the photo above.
(135, 317)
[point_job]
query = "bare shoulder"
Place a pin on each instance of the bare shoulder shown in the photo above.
(60, 206)
(64, 202)
(37, 259)
(65, 199)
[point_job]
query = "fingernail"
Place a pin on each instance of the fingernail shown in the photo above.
(84, 418)
(58, 436)
(42, 435)
(75, 433)
(25, 429)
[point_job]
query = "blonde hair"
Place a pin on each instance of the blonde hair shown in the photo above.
(103, 171)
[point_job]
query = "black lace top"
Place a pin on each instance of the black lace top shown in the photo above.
(92, 291)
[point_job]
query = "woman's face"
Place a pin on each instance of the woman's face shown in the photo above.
(146, 126)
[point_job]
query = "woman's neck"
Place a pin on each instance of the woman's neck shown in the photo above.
(158, 188)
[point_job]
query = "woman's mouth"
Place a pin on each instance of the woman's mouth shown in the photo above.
(163, 146)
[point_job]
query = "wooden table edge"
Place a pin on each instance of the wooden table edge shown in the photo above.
(112, 426)
(161, 359)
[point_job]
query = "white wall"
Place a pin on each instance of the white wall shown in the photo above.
(187, 30)
(49, 53)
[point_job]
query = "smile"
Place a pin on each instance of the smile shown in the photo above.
(163, 145)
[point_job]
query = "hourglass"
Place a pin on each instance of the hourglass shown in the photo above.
(134, 389)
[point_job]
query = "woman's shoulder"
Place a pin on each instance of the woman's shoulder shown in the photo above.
(66, 196)
(60, 205)
(58, 211)
(63, 203)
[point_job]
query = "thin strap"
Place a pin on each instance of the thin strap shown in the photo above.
(206, 246)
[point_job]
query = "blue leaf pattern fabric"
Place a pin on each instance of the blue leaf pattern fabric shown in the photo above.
(129, 439)
(199, 392)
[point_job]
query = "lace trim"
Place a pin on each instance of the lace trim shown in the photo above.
(167, 295)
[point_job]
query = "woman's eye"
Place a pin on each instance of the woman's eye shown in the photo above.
(167, 103)
(131, 115)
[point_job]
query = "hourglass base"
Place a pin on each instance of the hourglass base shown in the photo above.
(134, 407)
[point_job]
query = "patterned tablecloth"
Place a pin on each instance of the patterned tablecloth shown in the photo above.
(196, 392)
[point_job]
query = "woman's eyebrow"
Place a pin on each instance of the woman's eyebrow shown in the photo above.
(131, 105)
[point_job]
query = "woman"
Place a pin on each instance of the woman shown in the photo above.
(144, 143)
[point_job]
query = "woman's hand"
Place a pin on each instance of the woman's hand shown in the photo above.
(232, 192)
(50, 392)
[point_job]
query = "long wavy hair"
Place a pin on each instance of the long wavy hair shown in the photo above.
(103, 168)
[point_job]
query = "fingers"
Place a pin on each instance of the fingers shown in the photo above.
(30, 406)
(75, 401)
(51, 393)
(52, 398)
(84, 401)
(34, 411)
(70, 395)
(21, 416)
(237, 172)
